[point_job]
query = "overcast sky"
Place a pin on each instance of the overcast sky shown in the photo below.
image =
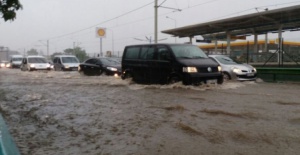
(66, 23)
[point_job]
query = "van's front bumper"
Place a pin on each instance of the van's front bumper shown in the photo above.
(70, 68)
(197, 78)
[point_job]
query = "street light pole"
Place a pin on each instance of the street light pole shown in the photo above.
(47, 49)
(155, 21)
(47, 45)
(112, 40)
(175, 26)
(156, 6)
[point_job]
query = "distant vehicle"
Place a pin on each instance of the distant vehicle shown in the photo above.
(31, 63)
(234, 70)
(169, 63)
(51, 64)
(65, 63)
(97, 66)
(4, 64)
(15, 61)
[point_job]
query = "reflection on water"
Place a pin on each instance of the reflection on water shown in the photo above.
(117, 81)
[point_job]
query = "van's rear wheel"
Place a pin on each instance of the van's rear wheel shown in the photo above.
(126, 75)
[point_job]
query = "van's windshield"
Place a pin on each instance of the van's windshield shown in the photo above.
(17, 59)
(187, 52)
(69, 60)
(37, 60)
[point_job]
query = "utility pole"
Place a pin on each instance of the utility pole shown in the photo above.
(155, 21)
(73, 48)
(45, 44)
(48, 49)
(156, 6)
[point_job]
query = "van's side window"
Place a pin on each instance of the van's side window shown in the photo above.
(163, 53)
(144, 51)
(55, 60)
(24, 61)
(150, 53)
(132, 53)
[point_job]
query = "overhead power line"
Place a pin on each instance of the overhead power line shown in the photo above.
(93, 26)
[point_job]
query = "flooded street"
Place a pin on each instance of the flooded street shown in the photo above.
(65, 113)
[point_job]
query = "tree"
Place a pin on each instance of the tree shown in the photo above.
(32, 52)
(54, 54)
(78, 52)
(8, 9)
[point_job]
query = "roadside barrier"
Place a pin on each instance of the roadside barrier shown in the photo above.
(279, 74)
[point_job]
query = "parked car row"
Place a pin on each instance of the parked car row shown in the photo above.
(149, 63)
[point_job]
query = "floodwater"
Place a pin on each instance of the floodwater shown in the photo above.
(64, 113)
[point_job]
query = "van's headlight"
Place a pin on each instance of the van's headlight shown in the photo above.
(236, 70)
(67, 66)
(190, 69)
(219, 68)
(111, 68)
(254, 69)
(48, 65)
(32, 65)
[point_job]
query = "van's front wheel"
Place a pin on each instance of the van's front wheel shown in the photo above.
(173, 79)
(220, 80)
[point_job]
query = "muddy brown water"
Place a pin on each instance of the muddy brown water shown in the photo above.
(64, 113)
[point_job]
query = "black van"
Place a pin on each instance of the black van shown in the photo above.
(169, 63)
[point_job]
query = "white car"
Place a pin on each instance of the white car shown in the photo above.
(233, 70)
(31, 63)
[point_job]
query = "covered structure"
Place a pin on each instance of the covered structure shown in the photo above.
(278, 21)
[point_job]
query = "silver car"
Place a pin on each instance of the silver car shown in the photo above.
(233, 70)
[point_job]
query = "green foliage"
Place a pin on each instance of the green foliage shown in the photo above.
(78, 52)
(8, 9)
(32, 52)
(54, 54)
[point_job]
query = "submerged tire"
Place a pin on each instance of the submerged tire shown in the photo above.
(220, 80)
(126, 75)
(173, 79)
(226, 76)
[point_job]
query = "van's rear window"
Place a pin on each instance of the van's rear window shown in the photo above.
(132, 53)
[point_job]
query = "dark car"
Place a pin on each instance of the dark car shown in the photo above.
(169, 63)
(97, 66)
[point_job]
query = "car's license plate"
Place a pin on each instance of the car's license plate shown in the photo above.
(211, 81)
(250, 74)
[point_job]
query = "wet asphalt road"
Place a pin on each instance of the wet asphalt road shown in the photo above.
(65, 113)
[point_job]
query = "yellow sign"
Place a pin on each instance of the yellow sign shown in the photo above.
(100, 32)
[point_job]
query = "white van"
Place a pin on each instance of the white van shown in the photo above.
(31, 63)
(15, 61)
(65, 62)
